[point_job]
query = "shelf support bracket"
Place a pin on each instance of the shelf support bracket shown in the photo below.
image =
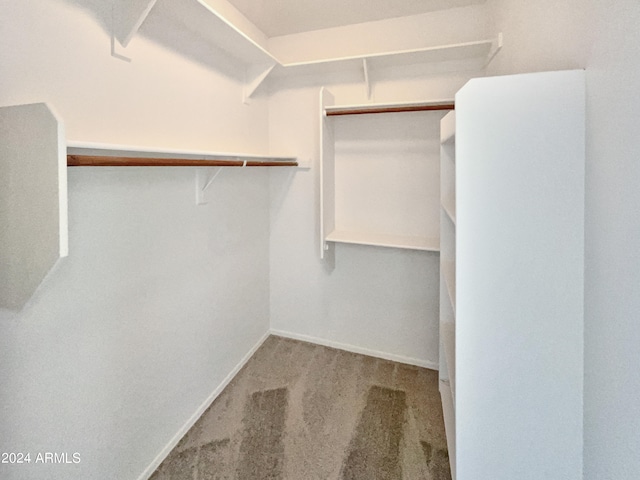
(128, 16)
(114, 53)
(495, 48)
(254, 78)
(204, 178)
(367, 77)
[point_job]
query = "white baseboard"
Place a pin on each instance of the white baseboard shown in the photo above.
(354, 349)
(198, 413)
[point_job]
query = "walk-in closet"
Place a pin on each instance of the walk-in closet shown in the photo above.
(334, 240)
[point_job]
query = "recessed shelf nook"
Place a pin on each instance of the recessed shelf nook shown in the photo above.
(350, 217)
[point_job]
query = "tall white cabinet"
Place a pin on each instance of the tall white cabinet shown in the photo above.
(512, 262)
(448, 279)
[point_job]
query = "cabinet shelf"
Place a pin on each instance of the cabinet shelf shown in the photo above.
(448, 205)
(447, 334)
(385, 240)
(199, 17)
(482, 50)
(449, 274)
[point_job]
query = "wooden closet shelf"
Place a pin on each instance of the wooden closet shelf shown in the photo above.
(111, 161)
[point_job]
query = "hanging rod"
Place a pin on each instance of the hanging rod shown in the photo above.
(114, 161)
(390, 108)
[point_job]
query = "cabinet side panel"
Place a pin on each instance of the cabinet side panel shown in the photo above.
(520, 272)
(32, 200)
(327, 171)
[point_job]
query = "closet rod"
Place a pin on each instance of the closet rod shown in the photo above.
(106, 161)
(390, 109)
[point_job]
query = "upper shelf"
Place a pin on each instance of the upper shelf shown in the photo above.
(448, 129)
(200, 17)
(100, 155)
(449, 207)
(448, 269)
(211, 24)
(220, 27)
(483, 50)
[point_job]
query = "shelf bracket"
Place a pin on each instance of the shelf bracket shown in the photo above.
(128, 16)
(115, 54)
(254, 77)
(367, 77)
(204, 178)
(495, 48)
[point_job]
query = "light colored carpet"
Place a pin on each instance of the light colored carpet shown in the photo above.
(299, 411)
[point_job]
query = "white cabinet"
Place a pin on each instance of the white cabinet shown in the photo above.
(519, 277)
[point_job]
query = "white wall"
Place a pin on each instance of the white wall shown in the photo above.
(159, 299)
(539, 36)
(371, 299)
(603, 37)
(456, 25)
(612, 326)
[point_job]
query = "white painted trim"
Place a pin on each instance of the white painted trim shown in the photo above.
(354, 349)
(198, 413)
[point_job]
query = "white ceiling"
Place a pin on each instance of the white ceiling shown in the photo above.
(283, 17)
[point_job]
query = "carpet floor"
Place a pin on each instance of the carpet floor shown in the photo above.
(299, 411)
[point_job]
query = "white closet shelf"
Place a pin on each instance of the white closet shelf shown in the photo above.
(482, 49)
(385, 240)
(201, 18)
(208, 22)
(449, 274)
(99, 154)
